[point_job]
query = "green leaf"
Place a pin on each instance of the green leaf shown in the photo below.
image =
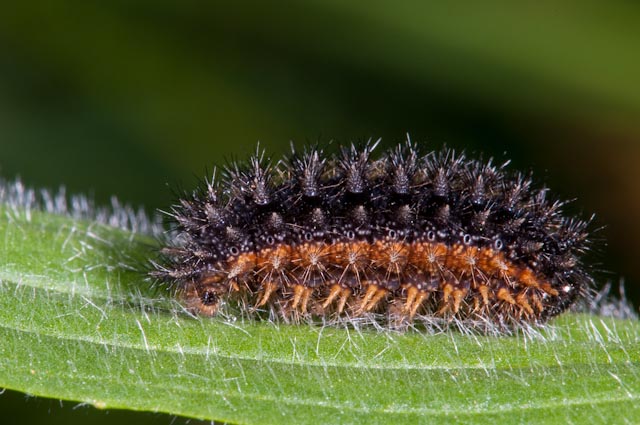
(78, 321)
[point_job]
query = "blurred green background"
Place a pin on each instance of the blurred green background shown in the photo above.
(125, 97)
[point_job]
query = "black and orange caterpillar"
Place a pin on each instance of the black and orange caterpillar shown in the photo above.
(404, 235)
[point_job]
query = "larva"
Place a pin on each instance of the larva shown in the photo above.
(405, 234)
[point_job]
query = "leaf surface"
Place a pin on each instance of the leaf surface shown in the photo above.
(78, 321)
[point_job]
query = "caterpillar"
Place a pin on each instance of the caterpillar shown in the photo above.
(404, 235)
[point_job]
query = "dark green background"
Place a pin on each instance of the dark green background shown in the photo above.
(122, 98)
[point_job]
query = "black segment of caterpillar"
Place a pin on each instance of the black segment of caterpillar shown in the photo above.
(405, 234)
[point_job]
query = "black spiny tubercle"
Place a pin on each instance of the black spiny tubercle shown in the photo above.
(405, 235)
